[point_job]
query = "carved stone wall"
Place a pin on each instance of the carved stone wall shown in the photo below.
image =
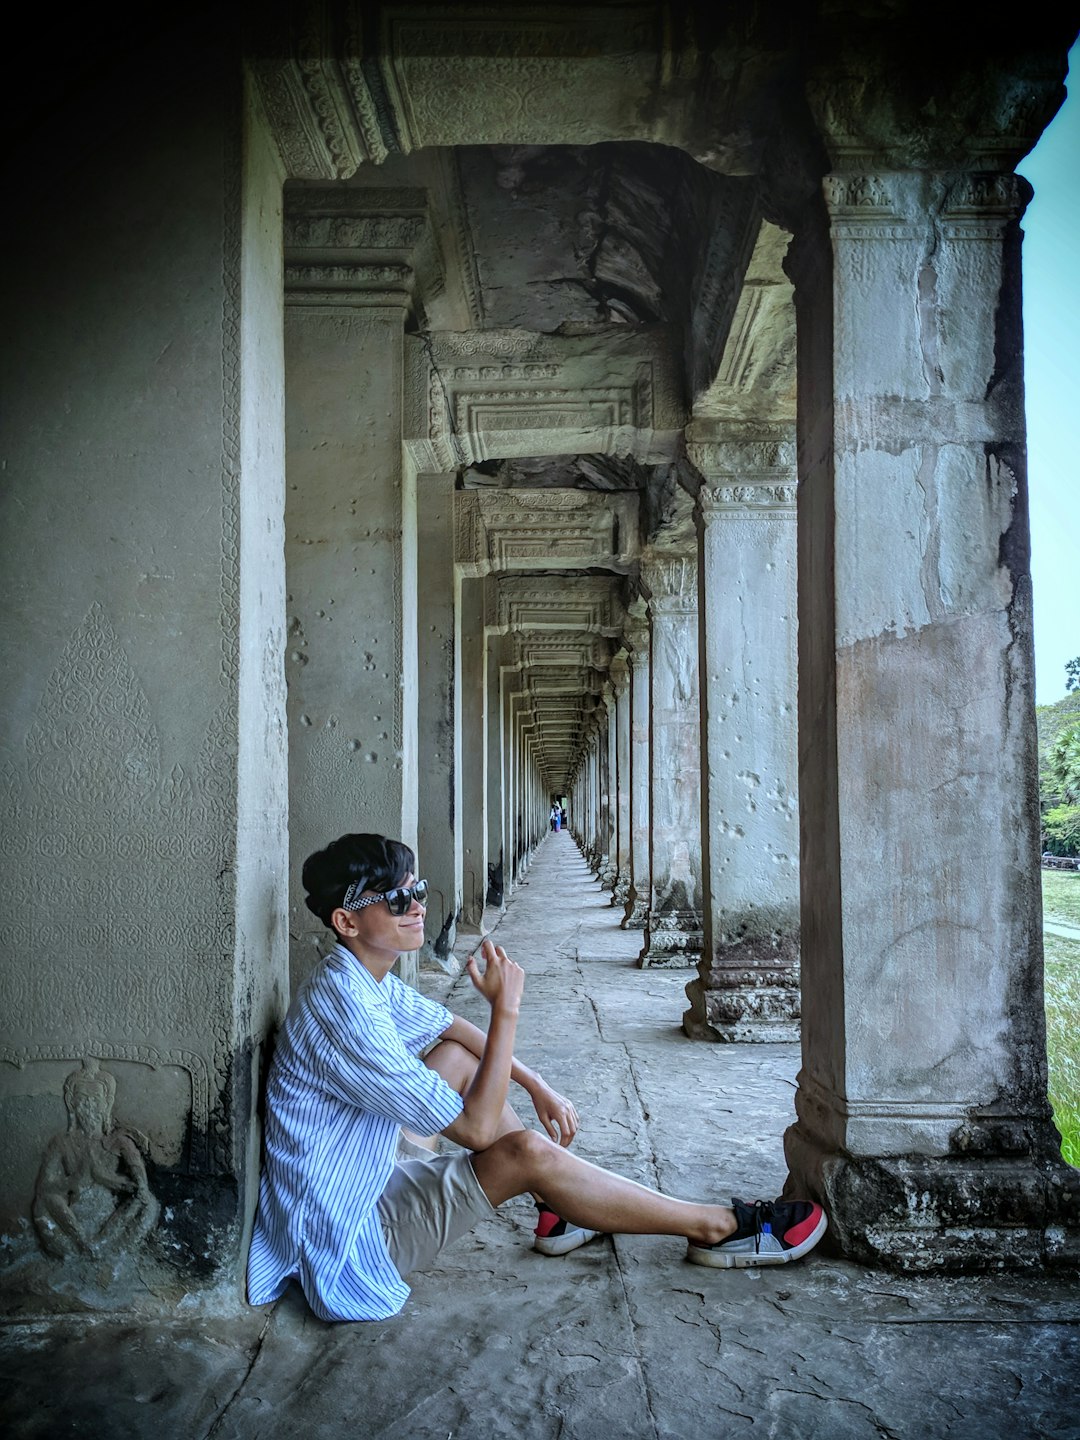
(140, 922)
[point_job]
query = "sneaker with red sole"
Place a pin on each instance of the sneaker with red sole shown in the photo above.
(770, 1232)
(556, 1236)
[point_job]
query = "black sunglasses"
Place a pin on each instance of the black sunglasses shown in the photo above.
(397, 900)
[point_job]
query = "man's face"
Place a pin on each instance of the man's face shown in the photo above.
(375, 931)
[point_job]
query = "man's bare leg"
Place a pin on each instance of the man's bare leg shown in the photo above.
(522, 1160)
(586, 1195)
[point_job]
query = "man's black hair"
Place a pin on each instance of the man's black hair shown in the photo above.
(372, 861)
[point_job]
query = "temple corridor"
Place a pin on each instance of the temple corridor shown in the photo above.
(422, 410)
(621, 1340)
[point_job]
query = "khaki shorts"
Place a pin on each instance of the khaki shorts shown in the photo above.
(427, 1205)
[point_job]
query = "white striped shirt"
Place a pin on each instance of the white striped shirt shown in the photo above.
(345, 1076)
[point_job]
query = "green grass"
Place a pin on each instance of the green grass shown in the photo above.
(1061, 895)
(1063, 1039)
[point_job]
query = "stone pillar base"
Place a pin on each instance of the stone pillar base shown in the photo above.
(620, 895)
(750, 993)
(672, 940)
(750, 1016)
(949, 1214)
(635, 914)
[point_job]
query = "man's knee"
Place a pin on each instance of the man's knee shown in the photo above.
(453, 1062)
(524, 1151)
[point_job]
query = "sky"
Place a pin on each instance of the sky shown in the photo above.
(1051, 271)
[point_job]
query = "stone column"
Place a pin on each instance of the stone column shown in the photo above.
(637, 897)
(748, 982)
(470, 715)
(594, 797)
(525, 838)
(350, 562)
(351, 536)
(438, 838)
(673, 924)
(620, 676)
(609, 868)
(494, 902)
(923, 1118)
(510, 686)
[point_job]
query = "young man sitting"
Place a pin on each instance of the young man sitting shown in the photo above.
(362, 1057)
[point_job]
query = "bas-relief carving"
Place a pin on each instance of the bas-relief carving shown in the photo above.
(974, 205)
(517, 344)
(92, 818)
(386, 277)
(508, 83)
(672, 582)
(759, 500)
(353, 232)
(92, 1197)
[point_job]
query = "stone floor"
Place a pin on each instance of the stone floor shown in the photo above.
(621, 1339)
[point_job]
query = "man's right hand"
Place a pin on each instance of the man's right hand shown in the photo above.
(502, 981)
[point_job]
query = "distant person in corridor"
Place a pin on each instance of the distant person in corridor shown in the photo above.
(362, 1056)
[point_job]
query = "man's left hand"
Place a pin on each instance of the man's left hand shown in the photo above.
(557, 1114)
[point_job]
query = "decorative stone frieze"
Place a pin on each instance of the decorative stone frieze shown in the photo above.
(506, 530)
(360, 247)
(522, 396)
(323, 100)
(489, 79)
(590, 604)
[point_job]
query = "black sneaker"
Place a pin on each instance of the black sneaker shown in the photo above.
(770, 1232)
(556, 1236)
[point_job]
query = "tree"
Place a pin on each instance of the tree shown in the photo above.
(1061, 823)
(1063, 765)
(1072, 674)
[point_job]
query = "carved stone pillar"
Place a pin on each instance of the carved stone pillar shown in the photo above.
(592, 820)
(471, 715)
(748, 982)
(637, 896)
(511, 689)
(438, 837)
(609, 789)
(494, 898)
(620, 676)
(923, 1118)
(350, 535)
(673, 925)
